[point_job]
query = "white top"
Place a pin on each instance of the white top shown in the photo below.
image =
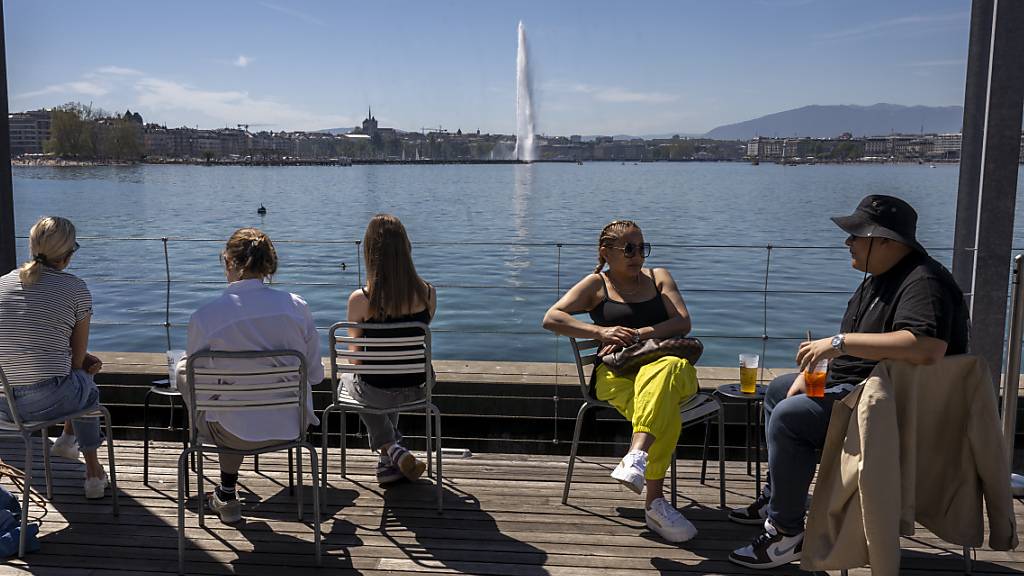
(252, 316)
(36, 323)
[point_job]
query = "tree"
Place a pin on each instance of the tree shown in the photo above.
(72, 128)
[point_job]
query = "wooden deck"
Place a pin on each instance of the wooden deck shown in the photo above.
(502, 515)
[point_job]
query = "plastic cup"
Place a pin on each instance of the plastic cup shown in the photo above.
(173, 357)
(815, 376)
(748, 373)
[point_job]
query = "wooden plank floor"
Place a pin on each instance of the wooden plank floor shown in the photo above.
(503, 515)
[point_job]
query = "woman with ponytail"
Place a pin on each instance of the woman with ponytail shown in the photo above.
(393, 293)
(250, 316)
(629, 303)
(44, 334)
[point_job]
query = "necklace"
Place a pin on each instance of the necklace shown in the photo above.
(636, 287)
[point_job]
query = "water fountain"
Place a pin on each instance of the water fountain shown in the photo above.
(526, 150)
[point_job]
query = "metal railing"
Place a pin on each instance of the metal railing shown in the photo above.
(339, 273)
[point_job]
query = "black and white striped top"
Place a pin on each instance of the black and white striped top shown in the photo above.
(36, 324)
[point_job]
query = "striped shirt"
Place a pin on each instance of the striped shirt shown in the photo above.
(36, 323)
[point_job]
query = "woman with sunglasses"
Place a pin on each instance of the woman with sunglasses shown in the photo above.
(629, 303)
(44, 333)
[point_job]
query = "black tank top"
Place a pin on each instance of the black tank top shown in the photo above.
(397, 380)
(629, 314)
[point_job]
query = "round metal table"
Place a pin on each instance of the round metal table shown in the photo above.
(730, 393)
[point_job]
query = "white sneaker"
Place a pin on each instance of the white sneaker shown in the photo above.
(66, 446)
(229, 512)
(630, 471)
(769, 550)
(668, 522)
(96, 488)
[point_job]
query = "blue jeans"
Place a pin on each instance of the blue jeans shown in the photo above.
(795, 430)
(57, 397)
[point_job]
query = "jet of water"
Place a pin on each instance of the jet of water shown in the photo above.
(526, 150)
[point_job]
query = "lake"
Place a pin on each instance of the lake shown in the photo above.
(501, 243)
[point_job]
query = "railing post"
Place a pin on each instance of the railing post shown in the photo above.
(1012, 387)
(558, 294)
(764, 309)
(167, 300)
(359, 263)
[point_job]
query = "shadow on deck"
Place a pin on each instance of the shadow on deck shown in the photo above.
(503, 515)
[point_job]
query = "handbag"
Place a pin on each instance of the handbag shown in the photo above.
(633, 357)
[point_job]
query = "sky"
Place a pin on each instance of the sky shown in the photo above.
(597, 67)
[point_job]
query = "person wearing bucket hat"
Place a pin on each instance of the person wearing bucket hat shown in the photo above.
(907, 307)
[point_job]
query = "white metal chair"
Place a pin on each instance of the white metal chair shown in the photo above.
(703, 407)
(403, 355)
(245, 382)
(25, 430)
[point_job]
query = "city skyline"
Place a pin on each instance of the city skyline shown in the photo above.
(663, 67)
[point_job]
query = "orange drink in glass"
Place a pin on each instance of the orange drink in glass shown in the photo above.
(814, 377)
(748, 373)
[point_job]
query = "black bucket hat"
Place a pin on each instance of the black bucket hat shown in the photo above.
(880, 216)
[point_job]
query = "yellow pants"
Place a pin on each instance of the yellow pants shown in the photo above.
(650, 398)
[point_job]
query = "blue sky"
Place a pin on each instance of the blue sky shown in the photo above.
(598, 67)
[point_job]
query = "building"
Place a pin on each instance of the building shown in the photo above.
(29, 131)
(946, 146)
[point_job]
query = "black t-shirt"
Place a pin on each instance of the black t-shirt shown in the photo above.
(918, 295)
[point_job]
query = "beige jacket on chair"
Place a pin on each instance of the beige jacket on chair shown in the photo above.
(911, 443)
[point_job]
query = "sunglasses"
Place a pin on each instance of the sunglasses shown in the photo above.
(75, 249)
(629, 249)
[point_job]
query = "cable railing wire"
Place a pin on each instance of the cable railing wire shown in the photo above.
(766, 290)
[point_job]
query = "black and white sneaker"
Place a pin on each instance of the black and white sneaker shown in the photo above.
(769, 550)
(756, 513)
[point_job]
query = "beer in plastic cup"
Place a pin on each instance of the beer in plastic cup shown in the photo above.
(814, 376)
(173, 357)
(748, 373)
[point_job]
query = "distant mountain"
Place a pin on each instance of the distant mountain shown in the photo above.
(831, 121)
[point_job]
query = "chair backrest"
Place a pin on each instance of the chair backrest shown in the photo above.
(8, 392)
(247, 381)
(394, 355)
(585, 353)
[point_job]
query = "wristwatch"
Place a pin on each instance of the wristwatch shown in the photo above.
(839, 343)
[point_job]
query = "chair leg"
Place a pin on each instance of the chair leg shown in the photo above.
(316, 500)
(200, 488)
(291, 473)
(325, 430)
(145, 435)
(968, 562)
(183, 471)
(256, 463)
(704, 454)
(428, 437)
(298, 476)
(26, 487)
(47, 469)
(572, 452)
(110, 460)
(439, 479)
(721, 455)
(672, 482)
(343, 441)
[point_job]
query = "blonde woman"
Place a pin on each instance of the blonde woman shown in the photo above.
(393, 293)
(250, 315)
(44, 333)
(628, 303)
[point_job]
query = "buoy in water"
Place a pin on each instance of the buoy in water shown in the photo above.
(261, 210)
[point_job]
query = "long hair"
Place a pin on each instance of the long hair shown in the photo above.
(50, 241)
(252, 252)
(611, 234)
(392, 283)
